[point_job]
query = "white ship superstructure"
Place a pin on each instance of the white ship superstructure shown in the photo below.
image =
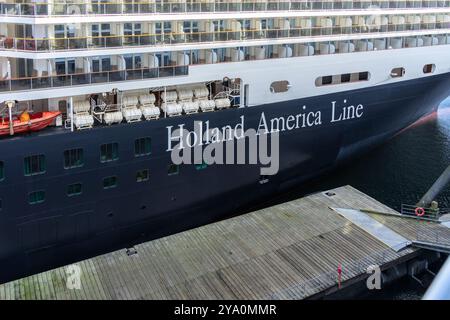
(99, 46)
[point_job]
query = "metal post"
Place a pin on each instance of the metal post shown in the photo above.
(165, 101)
(71, 113)
(10, 105)
(121, 100)
(436, 188)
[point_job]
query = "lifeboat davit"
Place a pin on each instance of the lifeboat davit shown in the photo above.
(33, 122)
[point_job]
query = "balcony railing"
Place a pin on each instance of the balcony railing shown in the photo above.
(67, 80)
(111, 7)
(100, 42)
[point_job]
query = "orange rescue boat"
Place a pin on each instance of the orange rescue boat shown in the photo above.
(28, 123)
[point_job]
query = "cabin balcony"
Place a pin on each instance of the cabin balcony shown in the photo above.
(136, 7)
(18, 74)
(94, 36)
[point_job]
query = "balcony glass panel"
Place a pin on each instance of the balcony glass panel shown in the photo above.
(20, 84)
(95, 7)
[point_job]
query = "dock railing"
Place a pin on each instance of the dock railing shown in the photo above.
(420, 212)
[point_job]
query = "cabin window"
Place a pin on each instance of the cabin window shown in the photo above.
(142, 175)
(142, 147)
(346, 77)
(327, 80)
(173, 170)
(73, 158)
(280, 86)
(74, 189)
(34, 165)
(342, 78)
(110, 182)
(109, 152)
(397, 72)
(2, 171)
(36, 197)
(429, 68)
(363, 76)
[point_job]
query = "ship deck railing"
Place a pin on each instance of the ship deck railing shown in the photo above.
(111, 7)
(68, 80)
(121, 41)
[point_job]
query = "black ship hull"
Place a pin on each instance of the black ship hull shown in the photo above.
(65, 229)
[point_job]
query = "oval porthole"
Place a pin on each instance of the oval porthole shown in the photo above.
(398, 72)
(280, 86)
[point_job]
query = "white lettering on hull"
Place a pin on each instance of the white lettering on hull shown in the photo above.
(203, 134)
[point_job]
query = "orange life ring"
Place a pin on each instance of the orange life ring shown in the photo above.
(24, 117)
(420, 212)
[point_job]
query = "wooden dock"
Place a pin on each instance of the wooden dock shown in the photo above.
(291, 250)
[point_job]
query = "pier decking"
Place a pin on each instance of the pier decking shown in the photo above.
(289, 251)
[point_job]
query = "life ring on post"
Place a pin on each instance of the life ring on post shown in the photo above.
(420, 212)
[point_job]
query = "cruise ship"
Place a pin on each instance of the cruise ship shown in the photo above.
(91, 90)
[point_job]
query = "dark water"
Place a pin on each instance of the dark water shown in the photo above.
(400, 171)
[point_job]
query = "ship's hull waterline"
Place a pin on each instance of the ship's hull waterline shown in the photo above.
(63, 230)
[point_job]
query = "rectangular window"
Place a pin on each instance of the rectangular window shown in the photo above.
(73, 158)
(345, 77)
(2, 171)
(34, 165)
(429, 68)
(142, 147)
(363, 76)
(109, 152)
(36, 197)
(342, 78)
(127, 29)
(327, 80)
(173, 170)
(110, 182)
(74, 189)
(142, 175)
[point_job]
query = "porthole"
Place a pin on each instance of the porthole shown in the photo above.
(398, 72)
(280, 86)
(429, 68)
